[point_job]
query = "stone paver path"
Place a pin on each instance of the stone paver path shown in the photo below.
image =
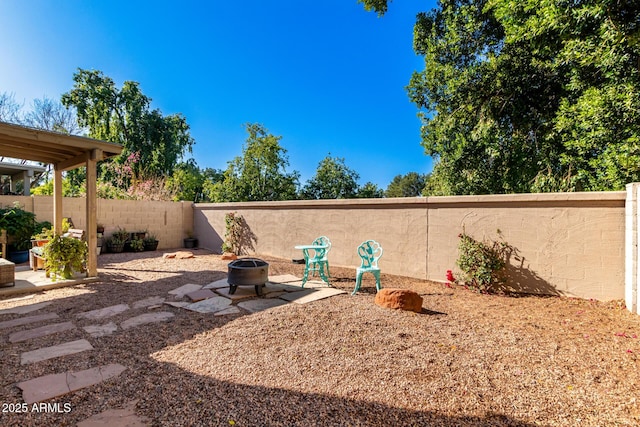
(104, 312)
(98, 331)
(27, 320)
(40, 332)
(146, 318)
(46, 353)
(25, 308)
(54, 385)
(117, 418)
(213, 298)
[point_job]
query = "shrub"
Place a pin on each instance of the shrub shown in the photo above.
(483, 263)
(64, 255)
(233, 233)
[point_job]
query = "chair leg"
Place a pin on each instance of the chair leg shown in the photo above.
(323, 275)
(306, 275)
(378, 285)
(358, 283)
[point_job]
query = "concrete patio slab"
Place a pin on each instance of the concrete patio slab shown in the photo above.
(101, 313)
(199, 295)
(54, 385)
(256, 305)
(125, 417)
(222, 283)
(210, 305)
(161, 316)
(98, 331)
(309, 295)
(185, 289)
(25, 308)
(41, 331)
(27, 320)
(148, 302)
(59, 350)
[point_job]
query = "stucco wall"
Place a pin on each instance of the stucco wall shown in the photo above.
(168, 221)
(565, 243)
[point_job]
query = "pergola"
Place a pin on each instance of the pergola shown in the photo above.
(64, 152)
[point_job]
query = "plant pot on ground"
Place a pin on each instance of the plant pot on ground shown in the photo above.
(150, 243)
(65, 256)
(190, 241)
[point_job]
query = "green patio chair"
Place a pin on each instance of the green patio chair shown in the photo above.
(324, 241)
(369, 252)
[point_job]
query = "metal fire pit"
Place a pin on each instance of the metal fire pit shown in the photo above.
(248, 272)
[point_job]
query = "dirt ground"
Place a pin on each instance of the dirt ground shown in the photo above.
(468, 359)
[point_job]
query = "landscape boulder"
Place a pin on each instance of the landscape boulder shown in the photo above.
(399, 298)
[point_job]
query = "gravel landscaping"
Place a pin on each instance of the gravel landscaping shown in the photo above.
(468, 359)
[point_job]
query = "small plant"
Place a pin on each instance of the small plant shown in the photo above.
(137, 245)
(233, 233)
(483, 263)
(64, 256)
(120, 235)
(20, 226)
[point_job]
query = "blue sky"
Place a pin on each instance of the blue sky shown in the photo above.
(325, 75)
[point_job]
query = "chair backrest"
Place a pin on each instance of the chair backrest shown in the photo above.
(324, 241)
(75, 233)
(370, 252)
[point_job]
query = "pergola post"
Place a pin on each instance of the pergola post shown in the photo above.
(91, 211)
(57, 199)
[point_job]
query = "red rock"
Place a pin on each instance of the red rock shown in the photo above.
(399, 298)
(229, 256)
(179, 255)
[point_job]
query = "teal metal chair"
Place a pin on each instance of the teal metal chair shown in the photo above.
(369, 252)
(324, 241)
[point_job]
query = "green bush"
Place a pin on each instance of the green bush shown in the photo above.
(20, 226)
(64, 256)
(483, 263)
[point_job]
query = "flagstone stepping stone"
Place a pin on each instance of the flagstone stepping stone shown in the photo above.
(242, 292)
(27, 320)
(41, 331)
(98, 331)
(178, 304)
(54, 385)
(47, 353)
(26, 308)
(200, 295)
(161, 316)
(209, 305)
(309, 295)
(148, 302)
(222, 283)
(185, 289)
(231, 310)
(126, 417)
(101, 313)
(284, 278)
(256, 305)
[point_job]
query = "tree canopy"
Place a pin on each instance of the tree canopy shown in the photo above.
(124, 116)
(333, 180)
(259, 174)
(528, 95)
(410, 185)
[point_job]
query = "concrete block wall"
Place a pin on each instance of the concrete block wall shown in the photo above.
(566, 243)
(168, 221)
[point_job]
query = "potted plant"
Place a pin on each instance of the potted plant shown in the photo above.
(64, 256)
(20, 226)
(136, 244)
(150, 243)
(100, 229)
(190, 241)
(117, 240)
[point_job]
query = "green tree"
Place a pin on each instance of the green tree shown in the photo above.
(521, 96)
(333, 180)
(409, 185)
(188, 181)
(259, 174)
(124, 116)
(370, 191)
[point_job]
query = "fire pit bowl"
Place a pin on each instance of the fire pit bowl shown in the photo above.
(247, 272)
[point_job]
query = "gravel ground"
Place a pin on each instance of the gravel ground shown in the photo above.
(468, 359)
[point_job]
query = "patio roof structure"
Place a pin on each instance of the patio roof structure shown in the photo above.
(64, 152)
